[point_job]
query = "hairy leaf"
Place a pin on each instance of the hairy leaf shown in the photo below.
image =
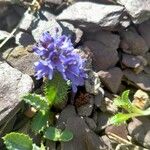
(36, 101)
(39, 121)
(52, 133)
(17, 141)
(66, 136)
(56, 90)
(121, 118)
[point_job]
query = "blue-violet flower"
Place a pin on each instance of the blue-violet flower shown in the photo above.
(57, 54)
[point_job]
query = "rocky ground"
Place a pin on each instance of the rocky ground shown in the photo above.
(115, 36)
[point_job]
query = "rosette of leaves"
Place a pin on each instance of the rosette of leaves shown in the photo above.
(124, 102)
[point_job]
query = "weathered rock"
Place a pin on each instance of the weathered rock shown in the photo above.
(91, 123)
(133, 43)
(141, 99)
(102, 120)
(58, 2)
(3, 35)
(144, 30)
(132, 7)
(120, 131)
(13, 85)
(92, 83)
(90, 14)
(147, 56)
(21, 58)
(98, 99)
(107, 105)
(67, 113)
(111, 41)
(103, 56)
(141, 80)
(139, 129)
(84, 138)
(86, 109)
(24, 39)
(131, 61)
(111, 78)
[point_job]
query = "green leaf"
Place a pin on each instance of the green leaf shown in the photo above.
(17, 141)
(121, 118)
(39, 121)
(56, 90)
(36, 101)
(123, 101)
(66, 136)
(52, 133)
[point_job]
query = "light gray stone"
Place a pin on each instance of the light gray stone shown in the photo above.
(139, 129)
(111, 78)
(13, 85)
(141, 80)
(87, 13)
(132, 7)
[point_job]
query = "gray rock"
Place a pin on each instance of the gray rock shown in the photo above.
(133, 43)
(88, 13)
(102, 120)
(98, 99)
(58, 2)
(132, 7)
(144, 30)
(86, 109)
(147, 56)
(3, 35)
(91, 123)
(120, 130)
(111, 78)
(141, 80)
(13, 85)
(139, 129)
(107, 106)
(103, 57)
(24, 39)
(111, 41)
(147, 70)
(84, 138)
(21, 58)
(131, 61)
(92, 83)
(67, 113)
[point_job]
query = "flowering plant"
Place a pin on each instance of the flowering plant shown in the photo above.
(57, 54)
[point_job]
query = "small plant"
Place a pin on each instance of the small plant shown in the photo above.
(124, 102)
(60, 66)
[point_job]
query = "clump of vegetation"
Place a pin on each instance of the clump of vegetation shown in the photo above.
(124, 102)
(61, 67)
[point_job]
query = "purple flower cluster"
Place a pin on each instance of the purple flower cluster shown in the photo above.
(57, 54)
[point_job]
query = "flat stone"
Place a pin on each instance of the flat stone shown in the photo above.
(133, 43)
(111, 78)
(132, 7)
(13, 85)
(144, 30)
(66, 113)
(141, 80)
(89, 13)
(102, 120)
(21, 58)
(131, 61)
(106, 38)
(84, 138)
(139, 129)
(120, 131)
(24, 39)
(103, 56)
